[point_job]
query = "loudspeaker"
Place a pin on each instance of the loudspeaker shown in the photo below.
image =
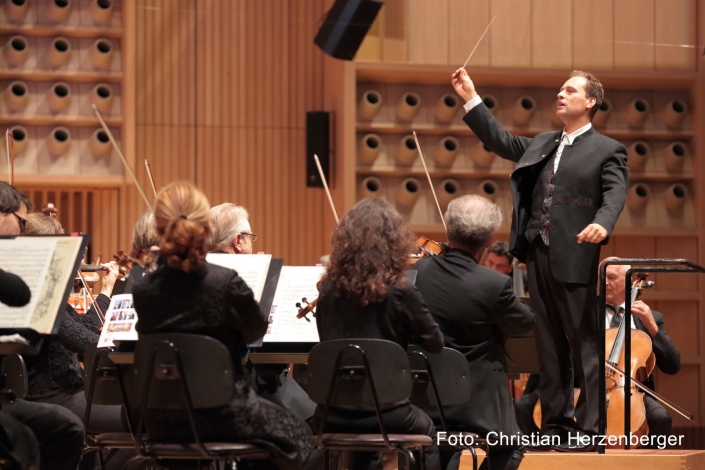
(317, 143)
(345, 26)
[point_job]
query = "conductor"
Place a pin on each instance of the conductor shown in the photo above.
(568, 189)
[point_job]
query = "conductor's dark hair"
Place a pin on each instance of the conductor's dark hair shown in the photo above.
(11, 199)
(593, 89)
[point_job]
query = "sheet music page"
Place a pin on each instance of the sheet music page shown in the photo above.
(30, 260)
(58, 277)
(251, 268)
(295, 282)
(120, 320)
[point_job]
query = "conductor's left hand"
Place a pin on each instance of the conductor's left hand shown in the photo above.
(593, 233)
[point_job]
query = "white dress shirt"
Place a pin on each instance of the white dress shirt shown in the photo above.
(609, 313)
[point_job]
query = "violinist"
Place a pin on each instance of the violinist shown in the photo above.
(189, 295)
(55, 376)
(231, 230)
(231, 233)
(476, 308)
(25, 425)
(144, 239)
(499, 258)
(367, 295)
(668, 359)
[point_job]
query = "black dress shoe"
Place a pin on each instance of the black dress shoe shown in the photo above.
(577, 442)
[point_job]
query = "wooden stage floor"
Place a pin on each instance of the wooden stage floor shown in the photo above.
(640, 459)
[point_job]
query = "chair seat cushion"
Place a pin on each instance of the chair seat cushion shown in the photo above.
(333, 439)
(111, 439)
(224, 448)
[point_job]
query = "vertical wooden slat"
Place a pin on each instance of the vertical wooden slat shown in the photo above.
(467, 20)
(593, 31)
(676, 47)
(634, 34)
(428, 38)
(551, 34)
(510, 34)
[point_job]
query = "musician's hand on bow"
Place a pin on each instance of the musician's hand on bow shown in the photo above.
(464, 87)
(593, 233)
(643, 311)
(112, 272)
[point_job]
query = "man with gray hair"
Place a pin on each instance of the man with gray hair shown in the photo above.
(476, 308)
(230, 232)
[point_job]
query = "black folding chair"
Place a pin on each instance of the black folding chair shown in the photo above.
(14, 377)
(106, 385)
(362, 373)
(184, 373)
(442, 380)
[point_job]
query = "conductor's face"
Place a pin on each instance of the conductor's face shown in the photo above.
(572, 100)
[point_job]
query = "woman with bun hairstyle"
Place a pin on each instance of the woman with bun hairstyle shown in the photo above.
(186, 294)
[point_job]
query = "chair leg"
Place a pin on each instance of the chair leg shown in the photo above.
(474, 457)
(101, 461)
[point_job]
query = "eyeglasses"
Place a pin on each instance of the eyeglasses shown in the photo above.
(253, 236)
(20, 221)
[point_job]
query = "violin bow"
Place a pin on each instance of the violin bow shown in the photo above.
(423, 160)
(325, 185)
(101, 315)
(478, 41)
(122, 156)
(10, 147)
(151, 177)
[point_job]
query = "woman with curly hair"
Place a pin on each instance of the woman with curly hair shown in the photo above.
(186, 294)
(366, 295)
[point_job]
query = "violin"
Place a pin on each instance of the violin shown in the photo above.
(430, 247)
(305, 310)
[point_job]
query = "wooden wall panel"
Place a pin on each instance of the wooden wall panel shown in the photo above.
(467, 20)
(551, 34)
(675, 38)
(510, 34)
(593, 31)
(428, 38)
(634, 34)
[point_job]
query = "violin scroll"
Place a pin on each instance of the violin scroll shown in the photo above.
(305, 310)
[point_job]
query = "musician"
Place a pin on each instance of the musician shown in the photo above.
(476, 308)
(231, 233)
(231, 230)
(499, 258)
(668, 359)
(55, 376)
(25, 426)
(568, 188)
(366, 295)
(144, 238)
(188, 295)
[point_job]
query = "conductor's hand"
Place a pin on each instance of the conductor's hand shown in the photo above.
(463, 85)
(593, 233)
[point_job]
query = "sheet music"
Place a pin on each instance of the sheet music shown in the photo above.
(120, 320)
(251, 268)
(295, 282)
(58, 277)
(30, 260)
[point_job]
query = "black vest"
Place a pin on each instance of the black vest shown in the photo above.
(541, 202)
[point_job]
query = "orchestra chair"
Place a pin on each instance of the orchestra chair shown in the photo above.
(14, 385)
(106, 385)
(171, 374)
(362, 373)
(441, 380)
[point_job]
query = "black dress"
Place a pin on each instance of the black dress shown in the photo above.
(216, 302)
(403, 318)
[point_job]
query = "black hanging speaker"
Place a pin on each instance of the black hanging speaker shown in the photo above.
(345, 26)
(317, 143)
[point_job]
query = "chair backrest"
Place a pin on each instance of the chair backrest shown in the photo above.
(170, 360)
(450, 371)
(342, 361)
(106, 388)
(16, 375)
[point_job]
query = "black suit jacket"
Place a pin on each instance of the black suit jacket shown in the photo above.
(590, 187)
(475, 308)
(668, 359)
